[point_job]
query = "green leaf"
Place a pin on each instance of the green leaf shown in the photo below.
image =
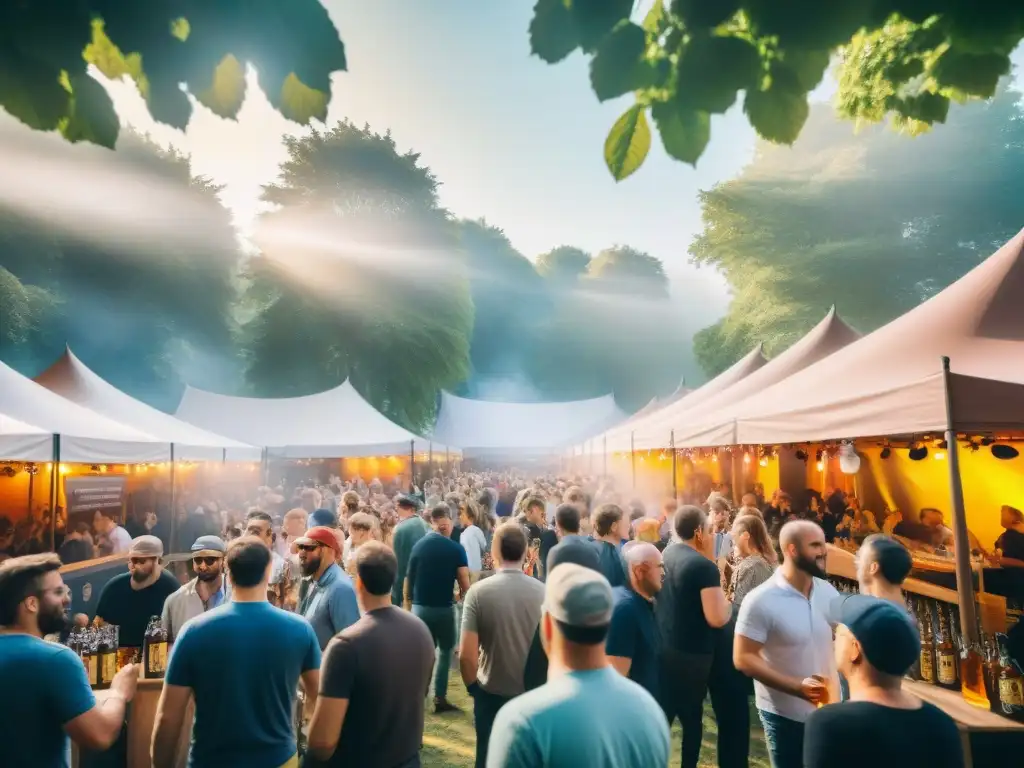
(618, 66)
(656, 21)
(226, 93)
(91, 116)
(925, 107)
(167, 101)
(712, 68)
(973, 74)
(684, 133)
(594, 19)
(301, 103)
(808, 67)
(30, 90)
(552, 31)
(704, 14)
(808, 24)
(779, 112)
(628, 143)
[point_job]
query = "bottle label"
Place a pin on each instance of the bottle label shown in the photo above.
(947, 669)
(1011, 694)
(927, 667)
(157, 658)
(108, 667)
(91, 669)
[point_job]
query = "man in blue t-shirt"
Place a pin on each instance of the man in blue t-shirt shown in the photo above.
(242, 662)
(44, 691)
(587, 714)
(634, 642)
(435, 565)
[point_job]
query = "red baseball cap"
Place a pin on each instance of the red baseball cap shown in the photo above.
(320, 534)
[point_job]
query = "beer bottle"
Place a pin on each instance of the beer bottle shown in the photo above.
(107, 652)
(1011, 684)
(927, 648)
(155, 649)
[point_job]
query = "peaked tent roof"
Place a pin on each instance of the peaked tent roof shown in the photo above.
(823, 340)
(86, 436)
(331, 424)
(619, 438)
(72, 379)
(891, 383)
(24, 442)
(487, 426)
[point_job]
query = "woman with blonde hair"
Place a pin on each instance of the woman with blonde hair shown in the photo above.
(755, 556)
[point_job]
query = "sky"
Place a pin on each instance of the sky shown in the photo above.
(512, 139)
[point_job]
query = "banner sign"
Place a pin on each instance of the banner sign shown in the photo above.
(87, 493)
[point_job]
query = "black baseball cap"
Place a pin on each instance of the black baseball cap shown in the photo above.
(890, 642)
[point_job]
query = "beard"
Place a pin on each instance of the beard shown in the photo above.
(208, 575)
(813, 566)
(54, 621)
(310, 566)
(138, 576)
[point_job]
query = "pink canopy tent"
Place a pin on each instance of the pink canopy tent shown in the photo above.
(619, 438)
(824, 339)
(891, 382)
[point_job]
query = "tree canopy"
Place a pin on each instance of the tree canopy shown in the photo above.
(360, 276)
(872, 222)
(564, 265)
(686, 60)
(143, 302)
(174, 51)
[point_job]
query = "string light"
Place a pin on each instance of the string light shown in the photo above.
(820, 465)
(763, 462)
(746, 457)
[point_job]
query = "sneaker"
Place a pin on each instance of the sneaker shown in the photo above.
(442, 705)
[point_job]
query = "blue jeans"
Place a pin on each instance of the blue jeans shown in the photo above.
(440, 620)
(784, 738)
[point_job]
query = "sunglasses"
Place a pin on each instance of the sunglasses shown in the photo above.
(140, 560)
(207, 561)
(308, 547)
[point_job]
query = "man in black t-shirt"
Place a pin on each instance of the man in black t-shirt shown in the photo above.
(1011, 541)
(374, 677)
(875, 646)
(690, 609)
(130, 600)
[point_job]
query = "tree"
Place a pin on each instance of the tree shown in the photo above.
(142, 299)
(626, 270)
(689, 59)
(360, 276)
(508, 297)
(563, 265)
(614, 331)
(871, 221)
(172, 50)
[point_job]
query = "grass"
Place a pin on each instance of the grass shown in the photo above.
(449, 740)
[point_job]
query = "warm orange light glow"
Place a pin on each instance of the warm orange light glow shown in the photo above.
(939, 455)
(64, 469)
(763, 462)
(820, 465)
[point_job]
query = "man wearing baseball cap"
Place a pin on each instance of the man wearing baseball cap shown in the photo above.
(568, 720)
(875, 646)
(327, 597)
(206, 591)
(132, 599)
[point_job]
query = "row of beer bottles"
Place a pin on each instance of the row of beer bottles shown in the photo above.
(102, 655)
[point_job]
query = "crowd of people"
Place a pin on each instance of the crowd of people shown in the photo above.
(582, 624)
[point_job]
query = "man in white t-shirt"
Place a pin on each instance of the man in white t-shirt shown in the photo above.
(114, 540)
(783, 640)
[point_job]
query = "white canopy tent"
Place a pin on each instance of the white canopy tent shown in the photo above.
(338, 423)
(85, 436)
(24, 442)
(489, 427)
(73, 380)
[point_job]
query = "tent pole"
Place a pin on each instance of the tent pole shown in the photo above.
(54, 492)
(675, 477)
(265, 460)
(961, 542)
(412, 466)
(224, 456)
(604, 455)
(170, 535)
(736, 469)
(632, 458)
(430, 458)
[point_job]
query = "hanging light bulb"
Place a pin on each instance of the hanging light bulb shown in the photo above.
(714, 457)
(763, 462)
(746, 457)
(820, 465)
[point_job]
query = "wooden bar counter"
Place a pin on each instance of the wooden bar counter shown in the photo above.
(138, 736)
